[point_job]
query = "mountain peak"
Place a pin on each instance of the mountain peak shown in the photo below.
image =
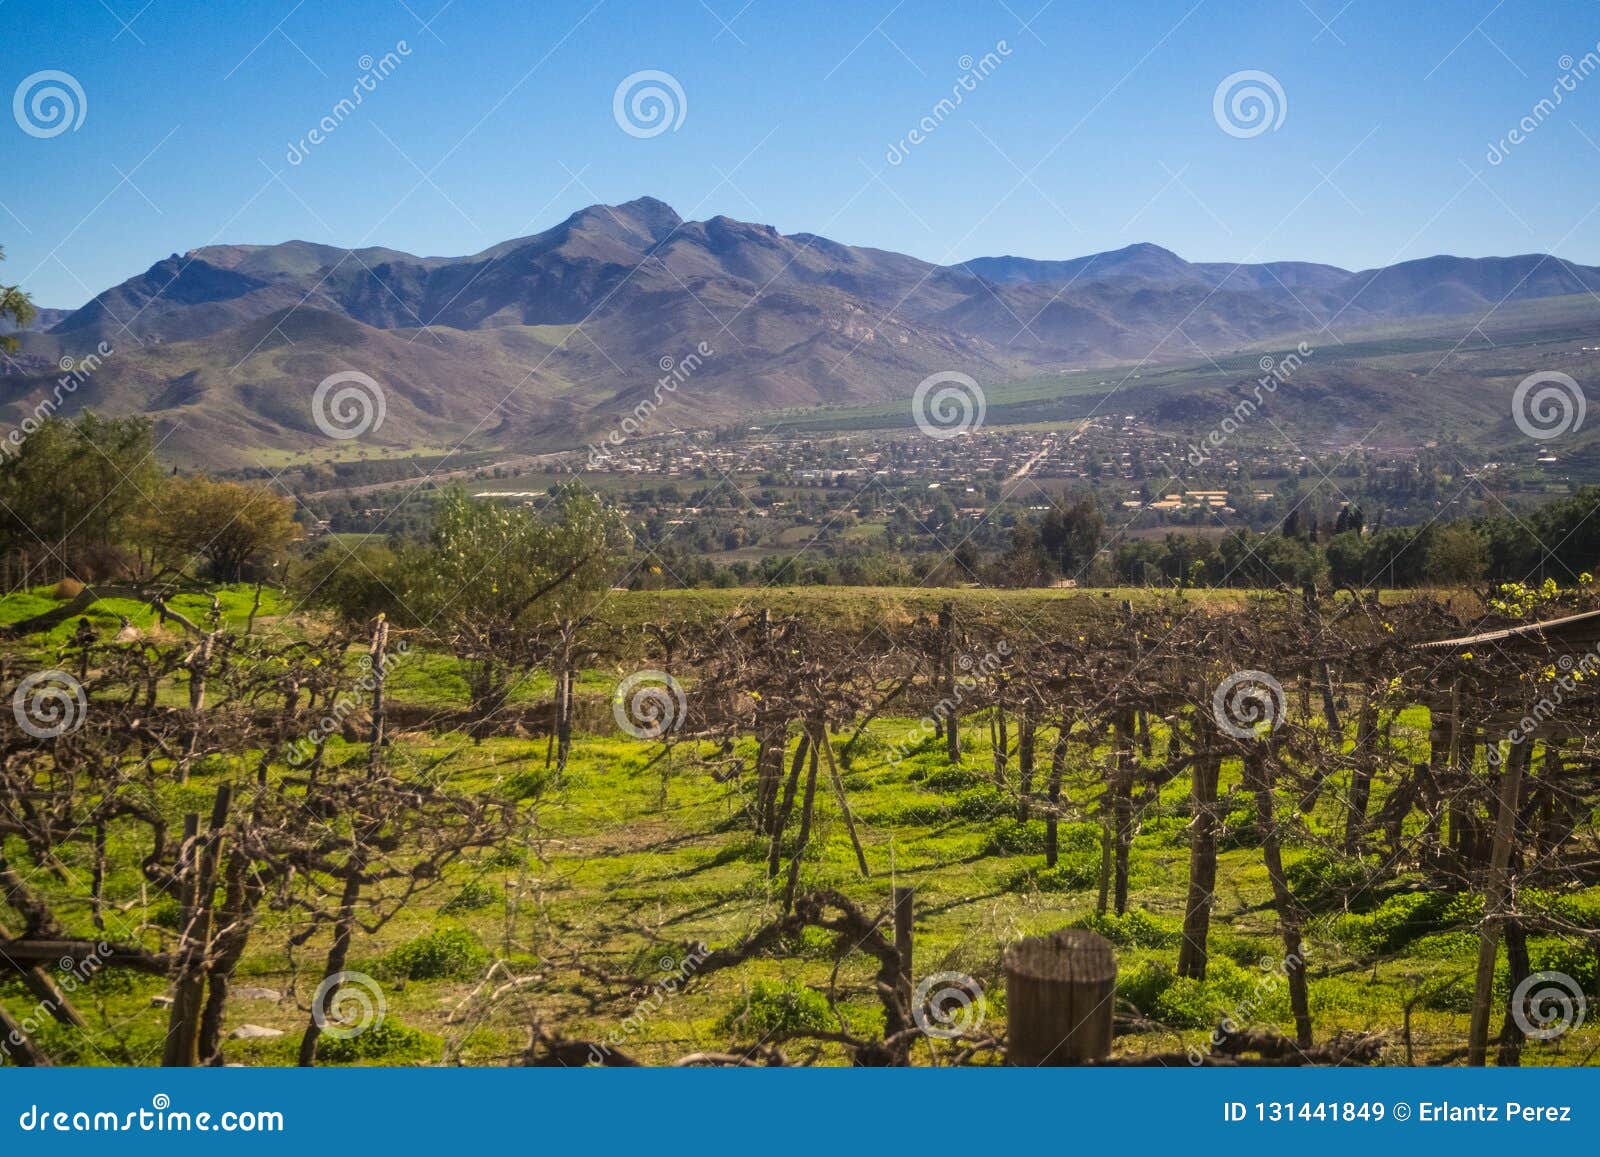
(642, 216)
(1141, 259)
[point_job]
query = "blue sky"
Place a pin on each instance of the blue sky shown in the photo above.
(1094, 130)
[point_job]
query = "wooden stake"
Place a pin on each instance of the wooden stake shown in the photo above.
(1059, 992)
(844, 803)
(1494, 900)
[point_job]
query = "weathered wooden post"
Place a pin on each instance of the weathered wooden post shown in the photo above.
(947, 662)
(198, 662)
(1204, 774)
(1059, 992)
(1496, 893)
(902, 938)
(378, 659)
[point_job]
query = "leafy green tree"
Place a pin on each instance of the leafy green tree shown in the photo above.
(1070, 534)
(1457, 554)
(227, 525)
(1025, 563)
(15, 306)
(490, 575)
(356, 582)
(72, 492)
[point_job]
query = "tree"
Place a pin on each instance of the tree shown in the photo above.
(1070, 534)
(73, 490)
(490, 573)
(356, 582)
(230, 525)
(15, 305)
(1457, 555)
(1025, 563)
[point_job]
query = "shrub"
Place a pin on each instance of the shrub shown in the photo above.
(1135, 928)
(1319, 878)
(472, 897)
(67, 588)
(1403, 918)
(1238, 828)
(948, 779)
(506, 857)
(1242, 950)
(770, 1007)
(1228, 992)
(1078, 838)
(981, 803)
(445, 953)
(1071, 874)
(1170, 831)
(388, 1040)
(812, 943)
(1582, 908)
(1444, 946)
(167, 913)
(1143, 984)
(1186, 1003)
(1009, 836)
(1575, 960)
(865, 744)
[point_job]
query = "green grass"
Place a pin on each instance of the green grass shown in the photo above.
(634, 860)
(234, 601)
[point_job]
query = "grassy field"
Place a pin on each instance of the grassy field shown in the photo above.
(631, 859)
(637, 855)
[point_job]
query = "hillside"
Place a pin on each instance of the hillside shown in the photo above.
(545, 341)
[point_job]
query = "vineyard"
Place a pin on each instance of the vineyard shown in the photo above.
(1299, 827)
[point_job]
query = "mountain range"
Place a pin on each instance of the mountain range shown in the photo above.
(543, 341)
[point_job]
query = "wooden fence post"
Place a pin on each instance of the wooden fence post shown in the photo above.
(1059, 991)
(902, 938)
(1192, 952)
(1495, 895)
(182, 1046)
(378, 657)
